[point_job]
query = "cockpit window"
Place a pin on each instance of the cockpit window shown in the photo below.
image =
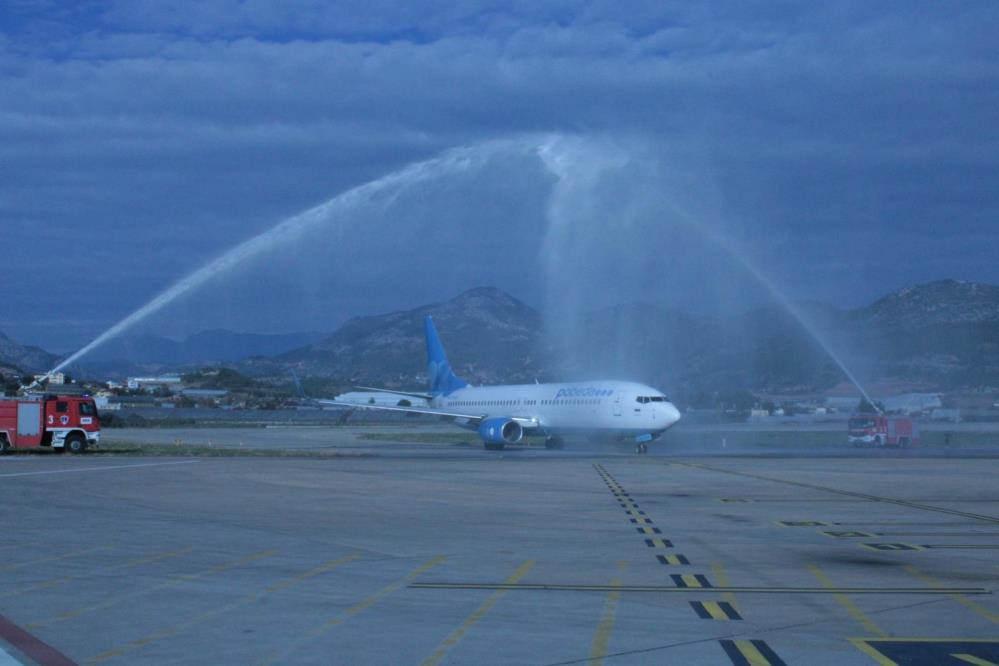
(651, 398)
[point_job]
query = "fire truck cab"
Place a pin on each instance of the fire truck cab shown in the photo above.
(62, 422)
(881, 430)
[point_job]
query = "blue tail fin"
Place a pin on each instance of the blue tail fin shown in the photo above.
(441, 380)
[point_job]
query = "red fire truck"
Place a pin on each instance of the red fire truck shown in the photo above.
(881, 430)
(58, 421)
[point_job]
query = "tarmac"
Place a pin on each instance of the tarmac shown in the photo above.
(402, 552)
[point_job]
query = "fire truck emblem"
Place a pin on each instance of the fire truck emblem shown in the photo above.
(64, 419)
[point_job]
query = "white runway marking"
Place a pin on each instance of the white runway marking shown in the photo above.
(99, 469)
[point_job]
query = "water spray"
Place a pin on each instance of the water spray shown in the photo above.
(600, 159)
(387, 189)
(383, 191)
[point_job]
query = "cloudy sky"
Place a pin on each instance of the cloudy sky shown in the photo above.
(578, 152)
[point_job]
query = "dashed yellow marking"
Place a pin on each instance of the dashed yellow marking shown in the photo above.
(658, 543)
(601, 639)
(750, 653)
(245, 600)
(480, 612)
(846, 602)
(801, 523)
(177, 580)
(648, 530)
(357, 608)
(715, 610)
(847, 534)
(673, 560)
(690, 580)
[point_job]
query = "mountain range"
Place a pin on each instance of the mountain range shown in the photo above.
(150, 353)
(15, 358)
(211, 346)
(940, 335)
(490, 337)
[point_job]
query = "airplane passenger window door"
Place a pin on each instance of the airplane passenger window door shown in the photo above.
(617, 405)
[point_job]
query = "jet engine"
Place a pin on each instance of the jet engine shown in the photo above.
(499, 431)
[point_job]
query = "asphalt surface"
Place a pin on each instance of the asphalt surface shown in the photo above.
(431, 553)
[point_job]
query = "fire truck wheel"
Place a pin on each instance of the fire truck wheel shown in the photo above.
(76, 443)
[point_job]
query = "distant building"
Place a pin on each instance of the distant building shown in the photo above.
(153, 383)
(913, 403)
(54, 378)
(204, 393)
(846, 404)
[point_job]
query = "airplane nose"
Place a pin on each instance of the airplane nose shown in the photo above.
(672, 413)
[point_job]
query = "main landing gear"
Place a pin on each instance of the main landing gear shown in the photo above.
(554, 443)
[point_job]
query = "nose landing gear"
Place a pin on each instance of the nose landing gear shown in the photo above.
(641, 447)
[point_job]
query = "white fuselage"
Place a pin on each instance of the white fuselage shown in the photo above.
(597, 407)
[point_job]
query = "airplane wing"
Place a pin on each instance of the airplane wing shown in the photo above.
(424, 396)
(524, 421)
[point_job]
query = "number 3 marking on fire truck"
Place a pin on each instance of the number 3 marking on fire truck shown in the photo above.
(51, 419)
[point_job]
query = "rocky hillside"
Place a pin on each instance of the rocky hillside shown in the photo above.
(24, 357)
(943, 334)
(947, 302)
(489, 335)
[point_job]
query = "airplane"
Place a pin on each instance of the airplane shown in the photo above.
(502, 414)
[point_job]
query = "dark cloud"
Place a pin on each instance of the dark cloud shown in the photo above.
(140, 139)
